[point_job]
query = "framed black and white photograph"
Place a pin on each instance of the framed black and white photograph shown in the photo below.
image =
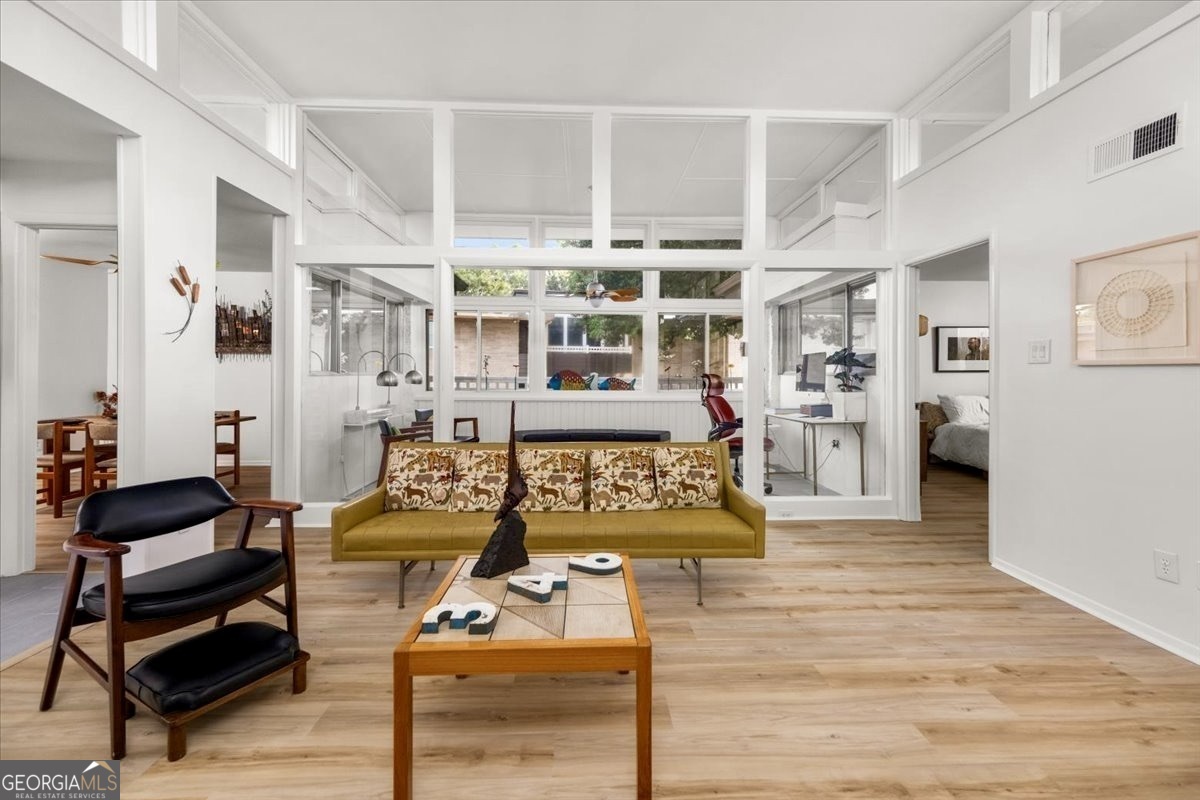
(960, 349)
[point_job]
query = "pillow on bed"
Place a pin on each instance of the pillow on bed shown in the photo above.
(970, 409)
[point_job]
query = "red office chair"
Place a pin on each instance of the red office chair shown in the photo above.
(726, 426)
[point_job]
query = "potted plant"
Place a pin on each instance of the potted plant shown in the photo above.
(846, 404)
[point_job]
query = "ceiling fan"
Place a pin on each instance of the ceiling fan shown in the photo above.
(595, 293)
(87, 262)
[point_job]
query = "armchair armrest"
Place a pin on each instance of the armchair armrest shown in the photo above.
(752, 512)
(356, 512)
(722, 430)
(88, 546)
(270, 507)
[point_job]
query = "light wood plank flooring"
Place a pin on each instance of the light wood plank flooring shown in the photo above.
(858, 660)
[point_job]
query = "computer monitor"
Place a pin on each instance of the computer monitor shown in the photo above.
(810, 373)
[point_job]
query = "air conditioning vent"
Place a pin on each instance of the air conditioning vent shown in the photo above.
(1134, 146)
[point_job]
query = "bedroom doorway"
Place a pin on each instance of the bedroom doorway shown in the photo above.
(954, 351)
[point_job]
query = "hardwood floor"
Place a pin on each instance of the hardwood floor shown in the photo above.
(860, 659)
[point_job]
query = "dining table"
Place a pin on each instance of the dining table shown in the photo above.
(230, 419)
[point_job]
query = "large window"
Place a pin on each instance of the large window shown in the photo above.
(606, 345)
(347, 323)
(491, 350)
(491, 282)
(1083, 30)
(701, 284)
(692, 344)
(976, 100)
(826, 321)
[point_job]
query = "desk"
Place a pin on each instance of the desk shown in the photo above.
(234, 448)
(814, 423)
(594, 625)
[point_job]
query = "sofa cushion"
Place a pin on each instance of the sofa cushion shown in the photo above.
(554, 478)
(686, 477)
(701, 532)
(623, 479)
(479, 480)
(419, 478)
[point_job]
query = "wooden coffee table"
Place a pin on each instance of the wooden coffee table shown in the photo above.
(595, 625)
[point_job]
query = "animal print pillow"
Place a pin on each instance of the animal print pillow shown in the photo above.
(418, 478)
(623, 480)
(687, 477)
(480, 477)
(554, 478)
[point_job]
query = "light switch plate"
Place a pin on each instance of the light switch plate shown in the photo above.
(1039, 351)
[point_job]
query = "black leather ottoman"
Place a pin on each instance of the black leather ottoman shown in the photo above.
(187, 679)
(592, 435)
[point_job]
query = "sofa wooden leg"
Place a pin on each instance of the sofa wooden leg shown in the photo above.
(300, 678)
(176, 742)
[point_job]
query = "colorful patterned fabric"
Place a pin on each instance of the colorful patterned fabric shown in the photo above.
(686, 477)
(568, 380)
(419, 478)
(480, 477)
(617, 384)
(554, 478)
(623, 480)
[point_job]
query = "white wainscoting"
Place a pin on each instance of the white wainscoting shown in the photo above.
(685, 418)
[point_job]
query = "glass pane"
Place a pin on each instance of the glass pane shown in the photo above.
(680, 351)
(358, 192)
(208, 74)
(703, 284)
(597, 346)
(491, 282)
(824, 185)
(701, 242)
(320, 333)
(679, 168)
(1088, 30)
(823, 322)
(725, 349)
(362, 331)
(467, 369)
(977, 100)
(564, 282)
(505, 361)
(523, 165)
(864, 331)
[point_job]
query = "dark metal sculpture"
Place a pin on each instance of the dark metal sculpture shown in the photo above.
(505, 550)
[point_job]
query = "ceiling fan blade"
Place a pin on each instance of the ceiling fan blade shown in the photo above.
(87, 262)
(623, 295)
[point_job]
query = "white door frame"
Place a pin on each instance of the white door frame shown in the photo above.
(19, 308)
(910, 496)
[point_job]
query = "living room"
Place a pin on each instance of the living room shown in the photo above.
(696, 188)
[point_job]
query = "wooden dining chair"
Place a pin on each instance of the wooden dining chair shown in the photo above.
(233, 448)
(100, 455)
(55, 466)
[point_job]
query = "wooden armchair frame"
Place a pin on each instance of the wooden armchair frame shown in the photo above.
(85, 546)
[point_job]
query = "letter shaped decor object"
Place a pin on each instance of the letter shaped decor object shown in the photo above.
(596, 563)
(537, 587)
(477, 618)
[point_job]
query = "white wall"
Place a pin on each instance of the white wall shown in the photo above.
(168, 389)
(45, 191)
(1092, 468)
(953, 303)
(244, 383)
(72, 338)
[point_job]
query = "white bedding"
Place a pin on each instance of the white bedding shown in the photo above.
(962, 442)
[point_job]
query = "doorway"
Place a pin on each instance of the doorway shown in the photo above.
(244, 294)
(955, 347)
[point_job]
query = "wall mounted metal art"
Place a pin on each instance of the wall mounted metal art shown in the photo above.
(244, 331)
(190, 292)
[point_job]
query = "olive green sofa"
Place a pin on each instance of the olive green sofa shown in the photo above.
(362, 530)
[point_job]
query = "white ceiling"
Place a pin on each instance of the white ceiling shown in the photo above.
(39, 124)
(867, 55)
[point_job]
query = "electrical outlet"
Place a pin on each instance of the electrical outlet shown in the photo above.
(835, 444)
(1166, 566)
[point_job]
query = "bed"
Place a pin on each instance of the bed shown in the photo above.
(958, 430)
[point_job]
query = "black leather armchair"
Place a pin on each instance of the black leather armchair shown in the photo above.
(175, 683)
